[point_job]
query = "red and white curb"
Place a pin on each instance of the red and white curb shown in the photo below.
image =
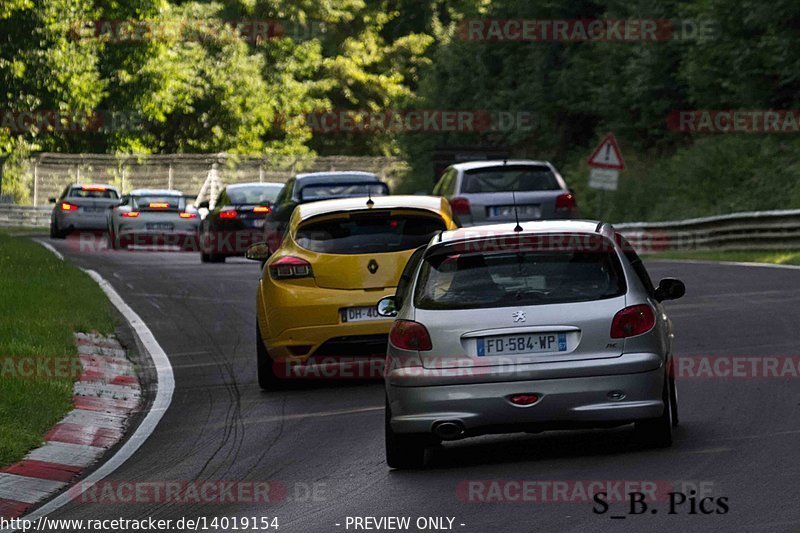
(105, 396)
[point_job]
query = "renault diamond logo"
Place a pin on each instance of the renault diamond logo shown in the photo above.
(519, 316)
(372, 266)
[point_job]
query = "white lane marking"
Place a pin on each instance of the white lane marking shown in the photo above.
(51, 248)
(27, 489)
(733, 263)
(165, 387)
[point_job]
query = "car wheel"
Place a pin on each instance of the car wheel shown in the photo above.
(111, 239)
(673, 398)
(657, 432)
(56, 233)
(403, 450)
(267, 379)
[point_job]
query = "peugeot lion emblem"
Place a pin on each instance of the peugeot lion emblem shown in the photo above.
(372, 266)
(519, 316)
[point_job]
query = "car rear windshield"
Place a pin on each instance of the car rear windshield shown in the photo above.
(326, 191)
(156, 202)
(253, 195)
(368, 232)
(507, 278)
(93, 192)
(520, 178)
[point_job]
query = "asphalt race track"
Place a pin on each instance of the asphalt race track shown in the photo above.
(739, 438)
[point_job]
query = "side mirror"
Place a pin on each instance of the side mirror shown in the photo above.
(258, 252)
(387, 307)
(51, 200)
(670, 289)
(203, 204)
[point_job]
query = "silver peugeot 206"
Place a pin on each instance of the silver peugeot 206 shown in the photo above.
(543, 325)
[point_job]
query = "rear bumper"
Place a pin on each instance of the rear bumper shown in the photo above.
(230, 243)
(563, 403)
(468, 221)
(80, 221)
(144, 237)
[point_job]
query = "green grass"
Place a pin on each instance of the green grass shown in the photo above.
(42, 302)
(785, 257)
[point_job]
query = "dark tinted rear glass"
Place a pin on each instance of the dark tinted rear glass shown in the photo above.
(326, 191)
(502, 279)
(93, 192)
(369, 232)
(521, 178)
(253, 195)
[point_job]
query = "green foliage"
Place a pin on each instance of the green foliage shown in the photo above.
(199, 87)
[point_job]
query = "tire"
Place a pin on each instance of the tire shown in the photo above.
(117, 243)
(111, 239)
(404, 451)
(56, 233)
(211, 258)
(267, 379)
(673, 398)
(657, 432)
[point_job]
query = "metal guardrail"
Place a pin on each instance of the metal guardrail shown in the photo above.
(756, 230)
(24, 216)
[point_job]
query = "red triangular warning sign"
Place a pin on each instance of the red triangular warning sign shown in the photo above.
(607, 154)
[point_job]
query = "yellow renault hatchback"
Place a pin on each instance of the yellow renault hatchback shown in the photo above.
(318, 293)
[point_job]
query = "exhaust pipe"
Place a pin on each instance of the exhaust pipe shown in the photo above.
(448, 430)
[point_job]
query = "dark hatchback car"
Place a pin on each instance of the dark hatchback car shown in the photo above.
(316, 186)
(236, 221)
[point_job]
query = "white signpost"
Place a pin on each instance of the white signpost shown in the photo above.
(606, 161)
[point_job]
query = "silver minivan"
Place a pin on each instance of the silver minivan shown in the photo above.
(486, 192)
(542, 325)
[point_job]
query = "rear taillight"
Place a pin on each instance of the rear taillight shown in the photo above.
(633, 321)
(262, 209)
(410, 335)
(460, 206)
(187, 215)
(566, 202)
(290, 267)
(131, 214)
(228, 215)
(66, 206)
(159, 205)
